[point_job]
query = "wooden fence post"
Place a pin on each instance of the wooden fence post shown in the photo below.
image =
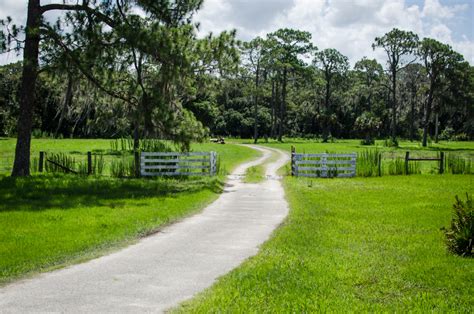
(324, 165)
(213, 163)
(407, 159)
(89, 163)
(41, 162)
(441, 163)
(293, 152)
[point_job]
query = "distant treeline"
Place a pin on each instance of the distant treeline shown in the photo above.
(272, 90)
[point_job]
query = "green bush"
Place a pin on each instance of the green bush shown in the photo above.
(390, 142)
(460, 236)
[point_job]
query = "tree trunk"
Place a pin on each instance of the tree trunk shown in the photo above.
(136, 148)
(436, 127)
(67, 102)
(255, 113)
(21, 166)
(326, 124)
(276, 100)
(426, 121)
(394, 106)
(282, 106)
(412, 116)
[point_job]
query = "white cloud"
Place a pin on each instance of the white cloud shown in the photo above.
(347, 25)
(433, 8)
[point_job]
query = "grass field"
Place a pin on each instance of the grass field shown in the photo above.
(463, 150)
(363, 245)
(230, 155)
(49, 221)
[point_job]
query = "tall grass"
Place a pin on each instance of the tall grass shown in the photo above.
(124, 168)
(98, 164)
(145, 145)
(458, 165)
(59, 158)
(369, 163)
(397, 167)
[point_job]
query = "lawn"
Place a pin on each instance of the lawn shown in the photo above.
(362, 244)
(49, 221)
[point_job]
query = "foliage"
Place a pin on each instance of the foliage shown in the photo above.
(460, 235)
(123, 168)
(369, 163)
(458, 165)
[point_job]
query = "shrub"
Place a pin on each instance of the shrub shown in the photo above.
(447, 134)
(460, 235)
(390, 143)
(461, 137)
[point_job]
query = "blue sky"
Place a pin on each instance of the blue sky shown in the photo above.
(347, 25)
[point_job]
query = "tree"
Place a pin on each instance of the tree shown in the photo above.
(37, 29)
(397, 45)
(334, 65)
(255, 50)
(138, 59)
(437, 59)
(286, 46)
(370, 74)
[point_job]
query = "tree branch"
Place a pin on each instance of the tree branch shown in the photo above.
(78, 7)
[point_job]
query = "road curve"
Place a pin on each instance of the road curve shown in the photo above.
(169, 267)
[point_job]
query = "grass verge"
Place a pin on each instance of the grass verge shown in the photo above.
(49, 221)
(363, 244)
(255, 174)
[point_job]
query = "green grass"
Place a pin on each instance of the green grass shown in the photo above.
(255, 174)
(390, 155)
(465, 149)
(230, 155)
(49, 221)
(363, 245)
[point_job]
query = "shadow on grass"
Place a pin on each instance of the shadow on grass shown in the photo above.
(67, 191)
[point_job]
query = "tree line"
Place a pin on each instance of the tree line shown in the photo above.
(121, 68)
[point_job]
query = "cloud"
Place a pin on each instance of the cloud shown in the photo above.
(347, 25)
(433, 8)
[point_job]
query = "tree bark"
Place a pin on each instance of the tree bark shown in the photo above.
(326, 126)
(276, 99)
(426, 121)
(21, 166)
(412, 116)
(255, 123)
(282, 106)
(394, 105)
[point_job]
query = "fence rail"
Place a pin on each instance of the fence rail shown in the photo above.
(323, 165)
(178, 164)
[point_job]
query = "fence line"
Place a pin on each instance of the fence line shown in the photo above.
(323, 165)
(178, 164)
